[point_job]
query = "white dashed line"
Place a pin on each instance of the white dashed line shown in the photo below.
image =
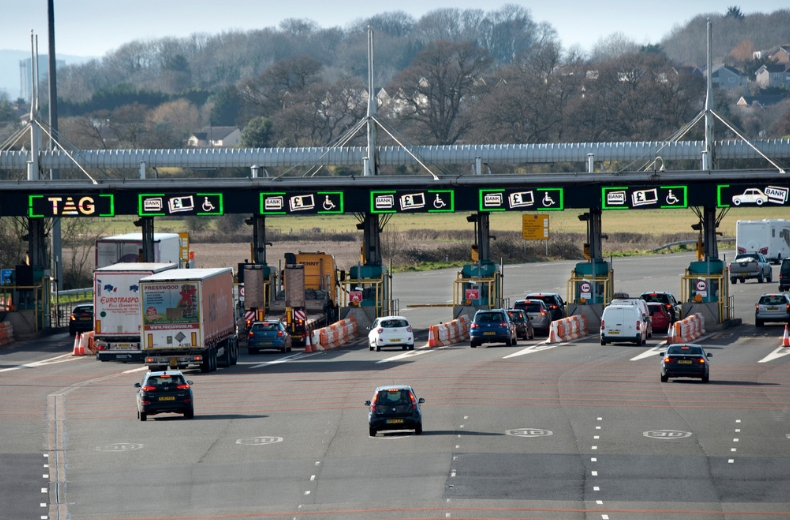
(593, 459)
(312, 478)
(595, 447)
(733, 449)
(596, 437)
(596, 488)
(594, 473)
(452, 473)
(731, 461)
(599, 502)
(307, 492)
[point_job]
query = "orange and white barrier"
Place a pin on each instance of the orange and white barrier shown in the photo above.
(334, 336)
(79, 345)
(566, 329)
(688, 329)
(448, 333)
(6, 332)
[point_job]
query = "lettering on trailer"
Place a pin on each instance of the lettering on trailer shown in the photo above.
(301, 203)
(160, 205)
(71, 205)
(403, 201)
(537, 199)
(644, 197)
(751, 195)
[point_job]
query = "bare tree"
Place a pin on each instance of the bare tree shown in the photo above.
(613, 46)
(437, 90)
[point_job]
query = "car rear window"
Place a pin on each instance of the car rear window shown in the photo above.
(393, 397)
(774, 299)
(489, 317)
(746, 259)
(516, 316)
(267, 326)
(685, 349)
(169, 380)
(658, 298)
(655, 309)
(392, 324)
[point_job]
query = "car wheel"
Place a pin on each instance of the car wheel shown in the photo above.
(252, 351)
(760, 278)
(705, 379)
(411, 347)
(639, 341)
(418, 430)
(664, 378)
(603, 342)
(758, 323)
(370, 348)
(378, 348)
(372, 431)
(189, 414)
(770, 278)
(508, 342)
(403, 347)
(759, 202)
(743, 280)
(143, 416)
(515, 341)
(473, 344)
(283, 350)
(733, 281)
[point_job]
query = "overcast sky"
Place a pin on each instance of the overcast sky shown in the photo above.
(95, 27)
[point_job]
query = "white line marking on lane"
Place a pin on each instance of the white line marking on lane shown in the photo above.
(533, 348)
(407, 354)
(63, 358)
(650, 353)
(286, 359)
(776, 354)
(135, 370)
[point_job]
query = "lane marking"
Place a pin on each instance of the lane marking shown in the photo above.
(776, 354)
(534, 348)
(650, 353)
(293, 357)
(135, 370)
(409, 353)
(63, 358)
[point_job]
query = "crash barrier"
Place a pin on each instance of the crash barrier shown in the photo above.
(333, 336)
(448, 333)
(84, 344)
(688, 329)
(6, 332)
(566, 329)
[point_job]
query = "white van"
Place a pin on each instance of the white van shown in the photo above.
(647, 316)
(623, 323)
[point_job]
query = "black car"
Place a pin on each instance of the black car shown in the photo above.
(553, 301)
(523, 324)
(81, 318)
(667, 299)
(394, 407)
(164, 392)
(685, 360)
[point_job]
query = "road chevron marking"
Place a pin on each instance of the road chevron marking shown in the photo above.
(534, 348)
(650, 353)
(776, 354)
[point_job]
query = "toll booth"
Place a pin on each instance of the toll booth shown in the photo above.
(28, 295)
(705, 289)
(368, 287)
(476, 287)
(590, 288)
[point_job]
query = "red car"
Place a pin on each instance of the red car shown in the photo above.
(661, 318)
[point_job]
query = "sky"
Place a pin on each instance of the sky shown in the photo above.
(96, 27)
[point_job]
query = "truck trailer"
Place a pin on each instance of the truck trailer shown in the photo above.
(116, 309)
(769, 237)
(188, 319)
(129, 247)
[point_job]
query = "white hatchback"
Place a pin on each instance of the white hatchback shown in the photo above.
(391, 331)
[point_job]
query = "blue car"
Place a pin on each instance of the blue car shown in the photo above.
(492, 326)
(268, 335)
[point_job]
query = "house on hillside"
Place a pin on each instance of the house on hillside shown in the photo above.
(779, 54)
(215, 137)
(728, 78)
(773, 75)
(758, 101)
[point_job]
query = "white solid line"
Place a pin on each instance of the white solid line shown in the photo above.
(733, 449)
(649, 353)
(407, 354)
(135, 370)
(533, 348)
(44, 490)
(292, 357)
(57, 359)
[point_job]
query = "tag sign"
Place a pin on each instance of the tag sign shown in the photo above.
(355, 296)
(585, 289)
(702, 288)
(472, 294)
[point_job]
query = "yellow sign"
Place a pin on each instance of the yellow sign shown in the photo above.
(184, 247)
(535, 227)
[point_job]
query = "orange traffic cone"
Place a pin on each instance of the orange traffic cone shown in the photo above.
(308, 347)
(432, 337)
(786, 338)
(79, 349)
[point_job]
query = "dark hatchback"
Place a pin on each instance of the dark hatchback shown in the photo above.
(553, 301)
(523, 324)
(164, 392)
(81, 319)
(492, 326)
(394, 407)
(685, 360)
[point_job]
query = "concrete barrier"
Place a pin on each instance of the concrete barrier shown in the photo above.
(6, 332)
(688, 329)
(448, 333)
(566, 329)
(335, 335)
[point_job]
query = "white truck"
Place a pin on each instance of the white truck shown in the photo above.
(129, 248)
(188, 319)
(116, 309)
(769, 237)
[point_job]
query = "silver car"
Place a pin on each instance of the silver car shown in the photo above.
(539, 314)
(772, 307)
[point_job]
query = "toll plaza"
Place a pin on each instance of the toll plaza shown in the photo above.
(591, 284)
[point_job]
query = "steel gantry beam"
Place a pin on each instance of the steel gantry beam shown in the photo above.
(389, 155)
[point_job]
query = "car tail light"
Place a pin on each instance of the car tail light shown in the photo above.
(542, 313)
(280, 334)
(183, 387)
(552, 306)
(145, 402)
(702, 360)
(503, 324)
(787, 307)
(148, 388)
(602, 325)
(764, 250)
(101, 347)
(757, 307)
(249, 323)
(474, 326)
(667, 359)
(187, 400)
(72, 317)
(639, 325)
(373, 402)
(250, 334)
(413, 401)
(408, 329)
